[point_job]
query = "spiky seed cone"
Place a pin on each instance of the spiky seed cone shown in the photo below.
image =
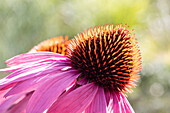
(56, 45)
(108, 56)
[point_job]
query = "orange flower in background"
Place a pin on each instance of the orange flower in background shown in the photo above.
(56, 45)
(90, 74)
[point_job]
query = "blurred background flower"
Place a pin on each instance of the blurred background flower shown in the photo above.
(25, 23)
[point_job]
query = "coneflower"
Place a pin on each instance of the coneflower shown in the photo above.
(100, 65)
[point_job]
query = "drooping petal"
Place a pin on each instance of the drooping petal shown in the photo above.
(27, 73)
(9, 102)
(98, 105)
(49, 92)
(128, 108)
(76, 101)
(40, 64)
(11, 69)
(7, 86)
(107, 94)
(26, 86)
(118, 103)
(31, 57)
(35, 67)
(2, 93)
(123, 110)
(36, 63)
(114, 103)
(20, 107)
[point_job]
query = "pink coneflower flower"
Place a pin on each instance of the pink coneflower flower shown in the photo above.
(98, 67)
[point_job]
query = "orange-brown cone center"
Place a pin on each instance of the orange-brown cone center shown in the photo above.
(107, 56)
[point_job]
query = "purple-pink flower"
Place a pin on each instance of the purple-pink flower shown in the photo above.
(97, 68)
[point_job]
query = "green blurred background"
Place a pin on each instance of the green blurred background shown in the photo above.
(25, 23)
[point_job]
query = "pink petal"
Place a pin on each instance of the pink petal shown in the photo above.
(27, 56)
(7, 87)
(11, 69)
(42, 68)
(107, 94)
(35, 64)
(128, 108)
(9, 102)
(73, 84)
(98, 105)
(68, 90)
(76, 101)
(114, 103)
(49, 92)
(35, 67)
(50, 64)
(82, 81)
(20, 106)
(32, 57)
(18, 64)
(26, 86)
(2, 93)
(27, 73)
(123, 109)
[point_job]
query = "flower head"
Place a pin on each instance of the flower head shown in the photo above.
(98, 66)
(107, 56)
